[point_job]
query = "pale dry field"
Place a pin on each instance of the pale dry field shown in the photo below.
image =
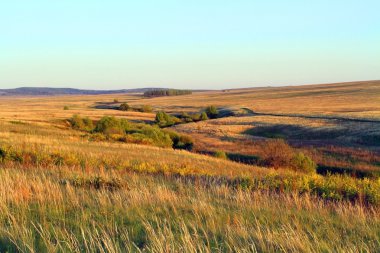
(352, 100)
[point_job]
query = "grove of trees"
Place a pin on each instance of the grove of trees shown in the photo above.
(166, 92)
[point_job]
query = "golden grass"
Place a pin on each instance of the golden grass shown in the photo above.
(357, 100)
(50, 208)
(155, 214)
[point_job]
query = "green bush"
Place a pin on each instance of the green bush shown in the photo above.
(111, 128)
(124, 107)
(146, 108)
(186, 117)
(158, 137)
(221, 155)
(180, 141)
(66, 108)
(212, 112)
(301, 162)
(196, 117)
(111, 125)
(204, 116)
(165, 120)
(83, 124)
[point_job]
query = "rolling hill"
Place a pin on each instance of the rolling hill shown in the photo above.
(44, 91)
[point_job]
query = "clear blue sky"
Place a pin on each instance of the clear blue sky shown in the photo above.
(112, 44)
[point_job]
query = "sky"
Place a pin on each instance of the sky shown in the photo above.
(199, 44)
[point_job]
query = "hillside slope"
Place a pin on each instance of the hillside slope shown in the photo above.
(44, 91)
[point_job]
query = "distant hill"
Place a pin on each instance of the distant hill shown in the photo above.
(42, 91)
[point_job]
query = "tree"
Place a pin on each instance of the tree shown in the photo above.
(166, 92)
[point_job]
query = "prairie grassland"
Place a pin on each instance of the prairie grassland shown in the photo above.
(61, 192)
(300, 129)
(354, 100)
(41, 211)
(70, 195)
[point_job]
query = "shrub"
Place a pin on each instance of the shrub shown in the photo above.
(204, 116)
(196, 117)
(77, 122)
(276, 153)
(146, 108)
(97, 137)
(66, 108)
(88, 124)
(124, 107)
(3, 154)
(220, 154)
(186, 117)
(164, 120)
(180, 141)
(116, 100)
(83, 124)
(212, 112)
(111, 125)
(183, 142)
(301, 162)
(158, 137)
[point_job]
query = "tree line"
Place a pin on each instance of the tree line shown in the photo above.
(166, 92)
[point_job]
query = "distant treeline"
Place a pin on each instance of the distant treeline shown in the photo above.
(166, 92)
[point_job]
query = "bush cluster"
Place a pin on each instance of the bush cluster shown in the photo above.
(142, 108)
(111, 128)
(165, 120)
(79, 123)
(212, 112)
(166, 92)
(278, 154)
(180, 141)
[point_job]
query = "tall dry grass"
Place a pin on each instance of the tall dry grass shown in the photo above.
(42, 213)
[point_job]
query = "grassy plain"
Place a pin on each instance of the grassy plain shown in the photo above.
(61, 192)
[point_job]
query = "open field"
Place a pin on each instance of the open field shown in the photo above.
(352, 100)
(62, 191)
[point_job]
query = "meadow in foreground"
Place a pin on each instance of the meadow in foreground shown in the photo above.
(61, 210)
